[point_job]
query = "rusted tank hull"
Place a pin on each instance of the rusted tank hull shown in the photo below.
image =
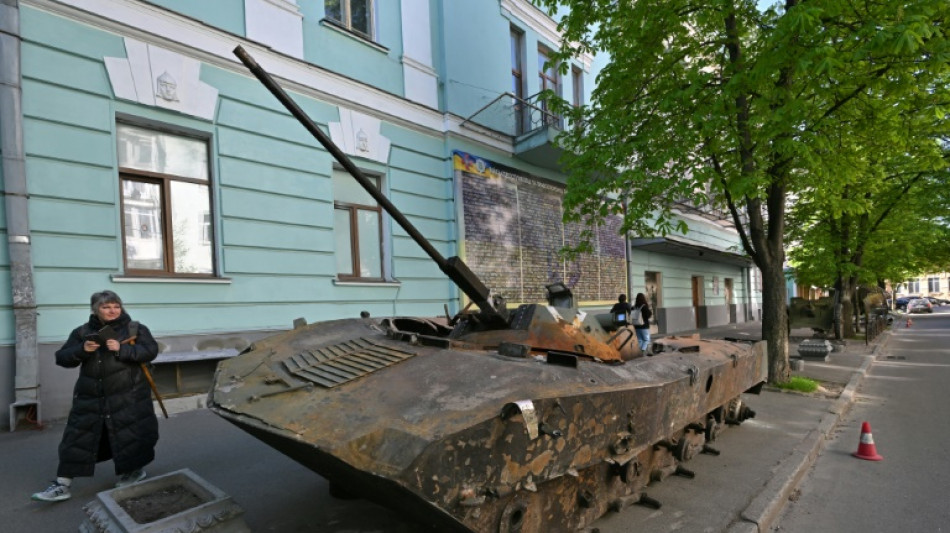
(473, 440)
(386, 492)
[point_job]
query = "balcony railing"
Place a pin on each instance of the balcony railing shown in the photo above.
(515, 117)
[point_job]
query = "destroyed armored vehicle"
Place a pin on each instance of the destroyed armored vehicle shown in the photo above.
(823, 314)
(510, 420)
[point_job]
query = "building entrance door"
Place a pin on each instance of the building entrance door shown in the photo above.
(730, 304)
(699, 300)
(651, 289)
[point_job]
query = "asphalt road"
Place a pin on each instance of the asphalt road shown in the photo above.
(905, 400)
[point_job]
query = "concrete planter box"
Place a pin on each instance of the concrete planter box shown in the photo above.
(815, 350)
(179, 502)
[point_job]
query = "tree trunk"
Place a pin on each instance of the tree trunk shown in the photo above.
(775, 320)
(847, 308)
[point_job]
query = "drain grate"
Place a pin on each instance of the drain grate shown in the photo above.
(334, 365)
(896, 357)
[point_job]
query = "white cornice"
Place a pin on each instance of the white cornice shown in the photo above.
(534, 17)
(156, 25)
(421, 67)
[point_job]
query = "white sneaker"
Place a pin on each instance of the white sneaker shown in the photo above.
(54, 493)
(132, 477)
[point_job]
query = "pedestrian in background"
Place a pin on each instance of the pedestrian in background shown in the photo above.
(112, 416)
(621, 309)
(643, 330)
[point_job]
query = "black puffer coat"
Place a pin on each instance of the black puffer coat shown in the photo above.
(112, 415)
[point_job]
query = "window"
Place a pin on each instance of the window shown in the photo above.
(577, 80)
(549, 80)
(548, 76)
(357, 227)
(166, 203)
(517, 79)
(913, 286)
(933, 284)
(354, 15)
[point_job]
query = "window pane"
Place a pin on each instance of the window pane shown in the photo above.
(361, 16)
(334, 10)
(516, 85)
(142, 216)
(190, 206)
(515, 51)
(578, 82)
(341, 232)
(542, 59)
(347, 190)
(152, 151)
(368, 228)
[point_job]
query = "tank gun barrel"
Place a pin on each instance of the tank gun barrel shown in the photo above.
(453, 267)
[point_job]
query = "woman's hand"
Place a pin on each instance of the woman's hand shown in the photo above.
(112, 345)
(90, 346)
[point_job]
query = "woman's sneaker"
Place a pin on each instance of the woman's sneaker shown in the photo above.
(56, 492)
(132, 477)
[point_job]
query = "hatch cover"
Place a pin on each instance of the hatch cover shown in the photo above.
(334, 365)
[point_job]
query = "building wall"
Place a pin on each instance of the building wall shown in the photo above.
(272, 202)
(921, 285)
(227, 15)
(675, 310)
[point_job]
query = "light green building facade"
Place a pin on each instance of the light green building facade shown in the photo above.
(140, 156)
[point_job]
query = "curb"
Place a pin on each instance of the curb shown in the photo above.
(765, 508)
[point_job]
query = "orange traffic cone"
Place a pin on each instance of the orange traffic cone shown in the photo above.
(866, 448)
(909, 323)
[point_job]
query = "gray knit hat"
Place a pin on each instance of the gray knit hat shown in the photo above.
(103, 297)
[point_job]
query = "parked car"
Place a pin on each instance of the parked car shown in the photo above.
(936, 301)
(901, 303)
(920, 305)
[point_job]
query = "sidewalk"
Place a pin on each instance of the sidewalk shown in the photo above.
(842, 374)
(278, 495)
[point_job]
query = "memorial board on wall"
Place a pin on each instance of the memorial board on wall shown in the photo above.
(514, 230)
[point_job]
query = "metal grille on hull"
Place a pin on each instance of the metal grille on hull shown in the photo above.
(334, 365)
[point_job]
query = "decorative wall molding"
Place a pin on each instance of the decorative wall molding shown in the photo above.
(154, 76)
(359, 135)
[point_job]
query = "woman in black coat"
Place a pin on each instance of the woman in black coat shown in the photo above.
(112, 416)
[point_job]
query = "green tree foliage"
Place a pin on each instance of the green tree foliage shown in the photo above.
(899, 230)
(720, 104)
(884, 212)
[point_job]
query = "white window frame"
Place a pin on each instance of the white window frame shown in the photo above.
(913, 286)
(933, 284)
(347, 22)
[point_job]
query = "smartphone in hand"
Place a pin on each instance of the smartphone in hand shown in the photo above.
(101, 336)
